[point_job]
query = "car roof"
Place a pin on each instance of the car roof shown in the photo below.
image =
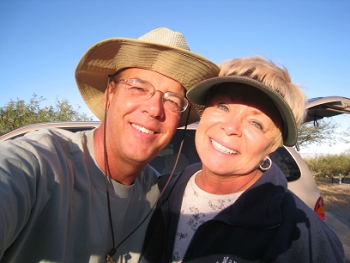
(325, 107)
(67, 125)
(318, 108)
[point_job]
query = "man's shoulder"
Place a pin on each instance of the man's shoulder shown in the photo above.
(53, 134)
(45, 140)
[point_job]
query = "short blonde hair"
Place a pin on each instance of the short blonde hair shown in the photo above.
(272, 76)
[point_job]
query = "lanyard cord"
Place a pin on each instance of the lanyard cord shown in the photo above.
(107, 174)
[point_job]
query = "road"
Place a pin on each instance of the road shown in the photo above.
(339, 222)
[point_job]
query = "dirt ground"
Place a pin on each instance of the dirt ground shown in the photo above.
(336, 196)
(337, 209)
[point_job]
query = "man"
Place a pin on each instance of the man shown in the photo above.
(86, 197)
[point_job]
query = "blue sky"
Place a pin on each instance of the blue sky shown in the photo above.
(42, 41)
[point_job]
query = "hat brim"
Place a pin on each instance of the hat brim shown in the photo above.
(198, 94)
(112, 55)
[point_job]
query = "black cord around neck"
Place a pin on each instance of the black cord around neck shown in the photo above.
(109, 256)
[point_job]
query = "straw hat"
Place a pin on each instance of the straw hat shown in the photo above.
(161, 50)
(198, 94)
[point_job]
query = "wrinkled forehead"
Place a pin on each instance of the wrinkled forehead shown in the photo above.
(237, 93)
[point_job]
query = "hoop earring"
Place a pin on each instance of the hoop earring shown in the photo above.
(266, 164)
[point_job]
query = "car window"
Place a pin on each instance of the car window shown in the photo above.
(286, 163)
(165, 160)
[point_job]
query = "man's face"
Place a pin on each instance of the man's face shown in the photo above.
(137, 130)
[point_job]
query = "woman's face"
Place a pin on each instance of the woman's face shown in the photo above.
(238, 129)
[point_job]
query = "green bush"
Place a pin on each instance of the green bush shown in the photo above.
(330, 165)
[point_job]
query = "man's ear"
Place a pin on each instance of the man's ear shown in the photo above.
(109, 94)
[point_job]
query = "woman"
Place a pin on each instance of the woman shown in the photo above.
(235, 206)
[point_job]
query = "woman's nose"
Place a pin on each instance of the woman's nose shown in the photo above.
(232, 126)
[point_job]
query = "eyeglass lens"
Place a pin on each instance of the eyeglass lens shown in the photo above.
(143, 90)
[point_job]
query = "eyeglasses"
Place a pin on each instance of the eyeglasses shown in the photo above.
(142, 90)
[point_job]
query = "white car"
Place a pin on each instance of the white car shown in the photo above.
(300, 179)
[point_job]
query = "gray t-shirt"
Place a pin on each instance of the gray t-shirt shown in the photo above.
(53, 204)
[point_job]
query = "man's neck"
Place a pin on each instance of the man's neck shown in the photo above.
(122, 171)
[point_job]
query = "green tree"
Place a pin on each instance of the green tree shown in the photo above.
(322, 132)
(330, 164)
(19, 113)
(346, 133)
(319, 133)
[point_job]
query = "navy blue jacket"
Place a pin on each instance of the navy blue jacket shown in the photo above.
(267, 223)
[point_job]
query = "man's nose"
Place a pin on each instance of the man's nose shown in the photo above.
(154, 105)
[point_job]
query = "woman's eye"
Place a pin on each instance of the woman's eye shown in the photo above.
(222, 106)
(257, 125)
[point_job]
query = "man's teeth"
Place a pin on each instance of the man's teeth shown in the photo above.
(142, 129)
(222, 148)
